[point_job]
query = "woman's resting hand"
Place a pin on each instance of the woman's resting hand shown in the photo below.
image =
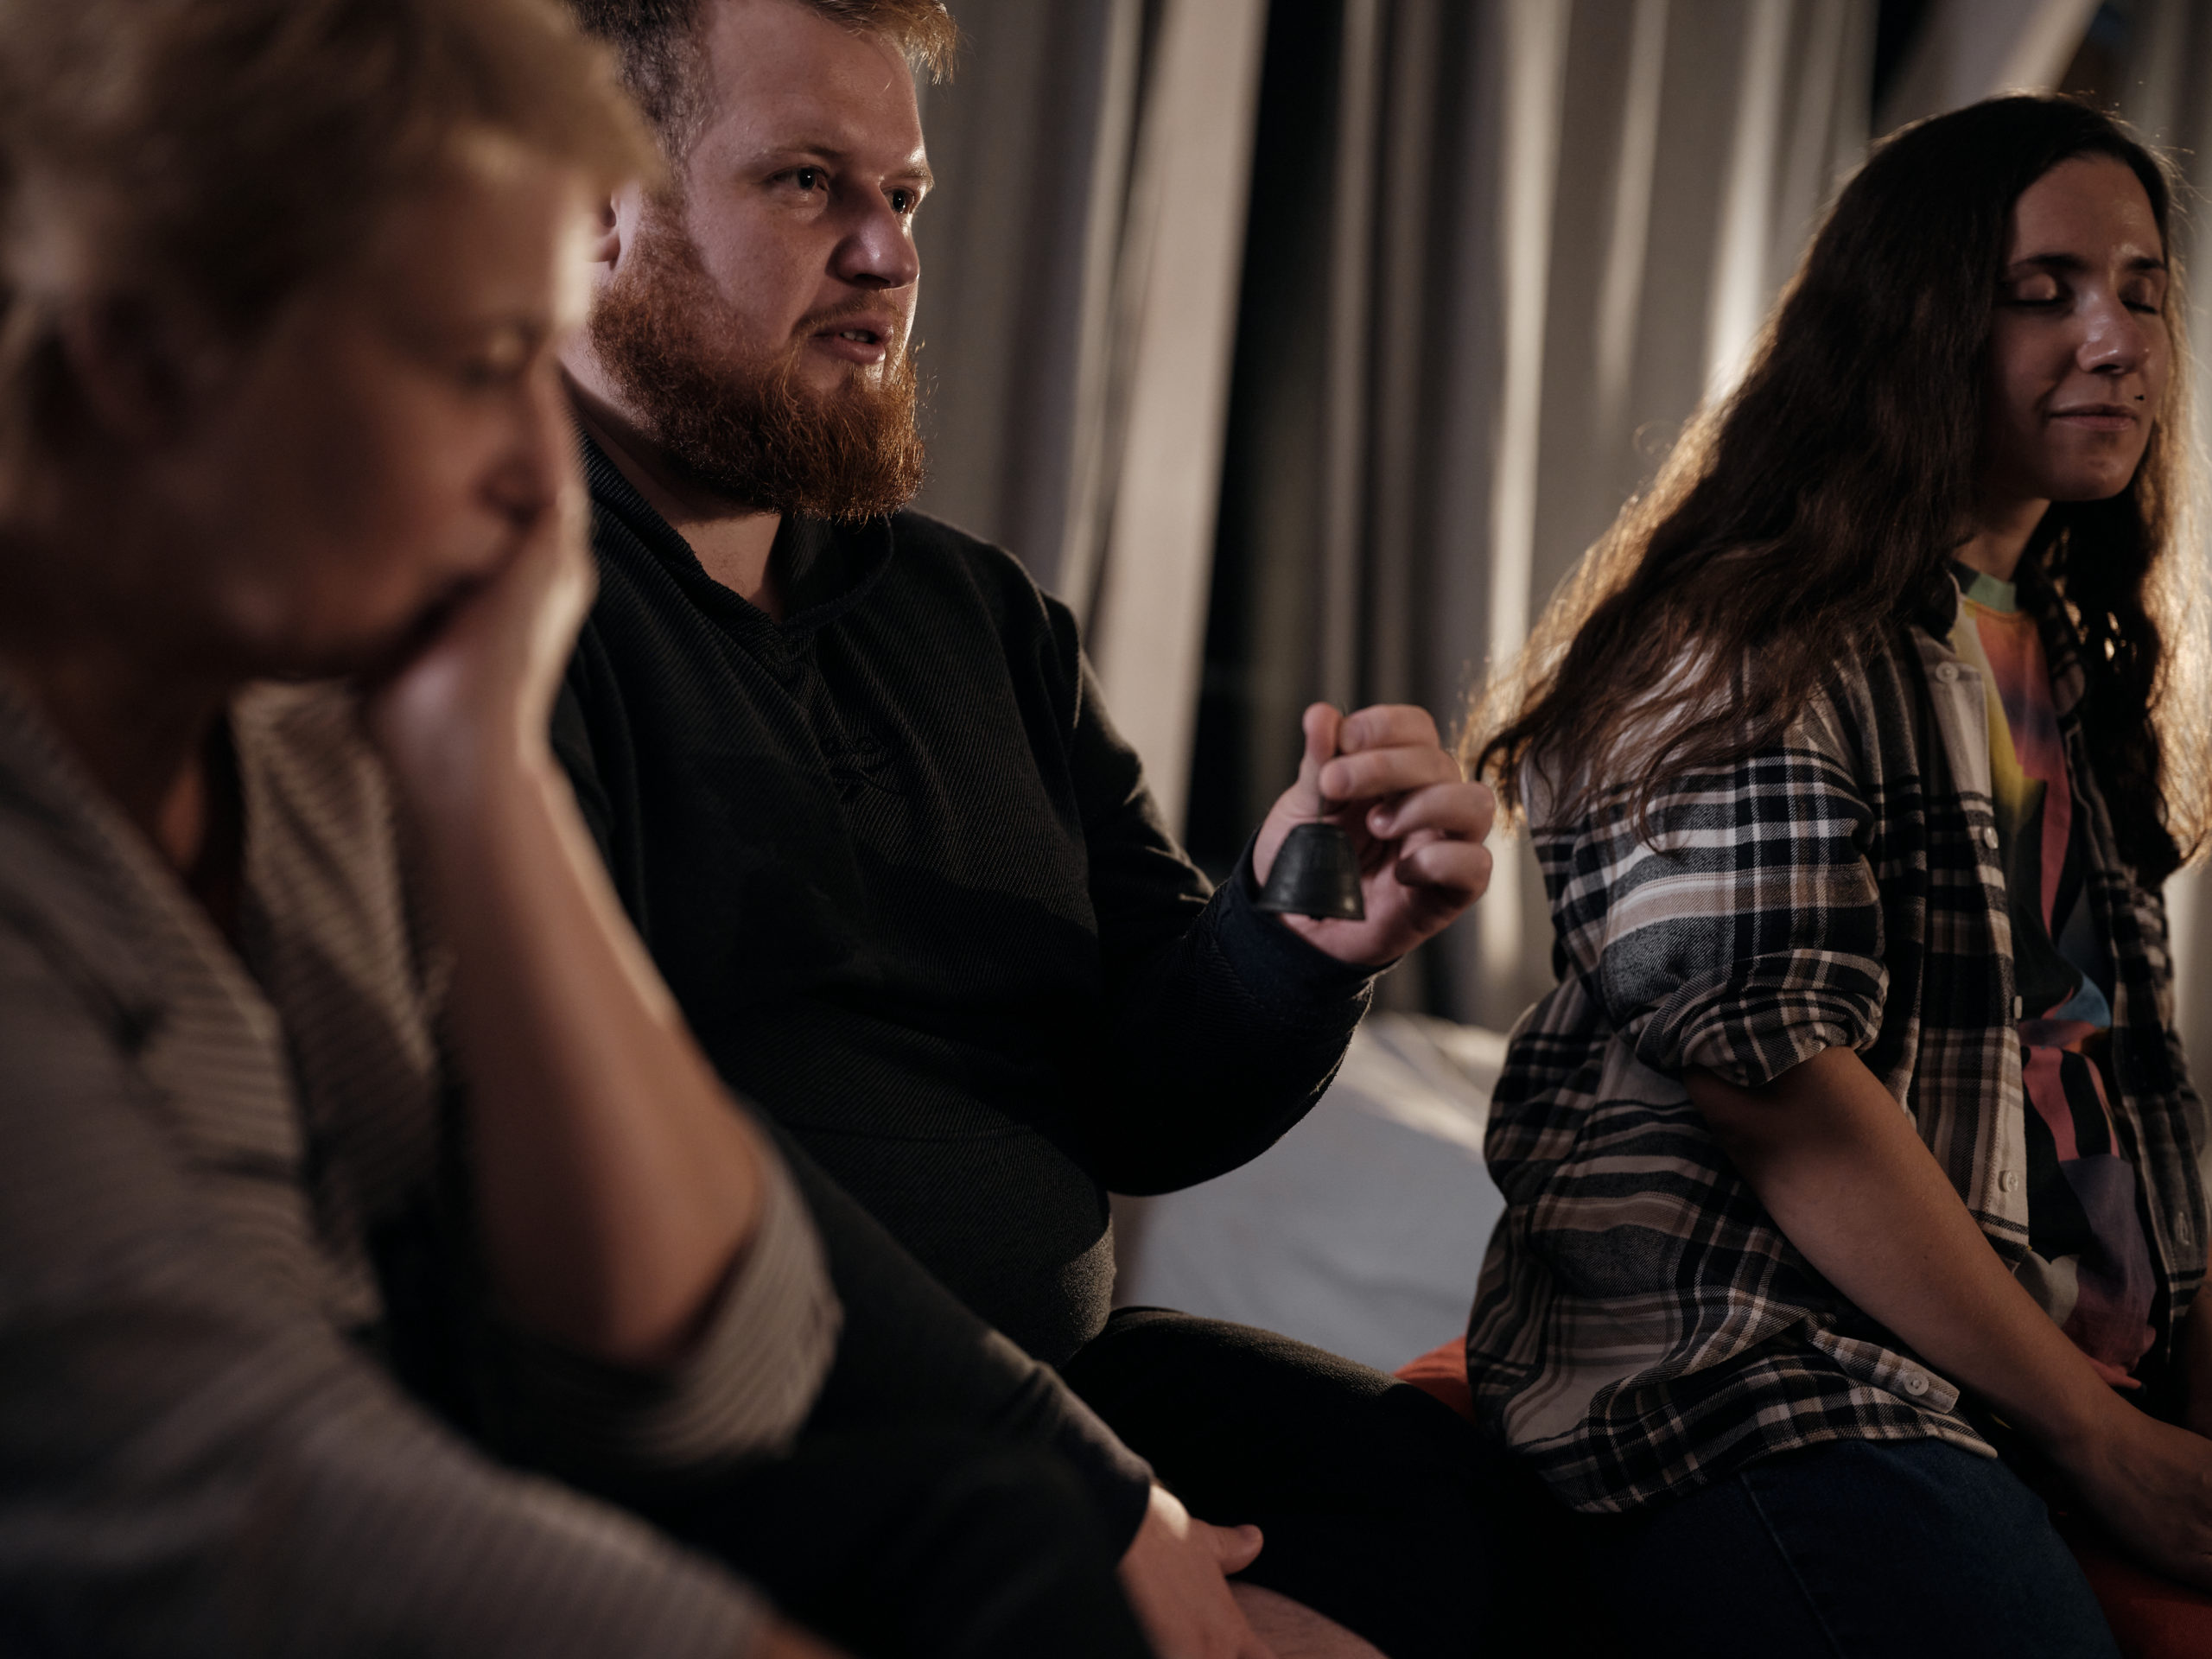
(2150, 1484)
(1841, 1170)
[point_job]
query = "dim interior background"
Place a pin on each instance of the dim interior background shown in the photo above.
(1302, 346)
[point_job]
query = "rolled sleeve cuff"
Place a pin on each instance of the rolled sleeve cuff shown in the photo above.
(1750, 1025)
(1120, 1481)
(744, 1389)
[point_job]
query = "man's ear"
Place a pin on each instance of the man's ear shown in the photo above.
(617, 224)
(137, 370)
(605, 242)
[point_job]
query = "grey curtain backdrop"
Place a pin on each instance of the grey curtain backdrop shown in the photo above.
(1088, 239)
(1541, 231)
(1303, 347)
(1030, 142)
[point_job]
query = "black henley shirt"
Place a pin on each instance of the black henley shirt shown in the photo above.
(909, 887)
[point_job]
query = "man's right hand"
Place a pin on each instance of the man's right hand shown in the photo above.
(1176, 1574)
(2150, 1485)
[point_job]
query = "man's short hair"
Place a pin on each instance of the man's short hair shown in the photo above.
(658, 44)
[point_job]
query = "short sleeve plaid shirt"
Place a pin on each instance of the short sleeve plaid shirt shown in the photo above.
(1642, 1327)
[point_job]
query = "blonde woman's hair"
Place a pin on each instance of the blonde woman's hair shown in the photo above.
(221, 153)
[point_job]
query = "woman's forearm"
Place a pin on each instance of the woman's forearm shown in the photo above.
(617, 1184)
(1838, 1165)
(1850, 1185)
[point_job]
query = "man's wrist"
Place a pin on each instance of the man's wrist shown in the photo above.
(1282, 969)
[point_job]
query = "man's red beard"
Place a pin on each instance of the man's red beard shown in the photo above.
(745, 426)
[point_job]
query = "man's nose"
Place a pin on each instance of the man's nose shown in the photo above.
(878, 249)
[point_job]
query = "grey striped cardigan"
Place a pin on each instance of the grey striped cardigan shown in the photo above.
(209, 1169)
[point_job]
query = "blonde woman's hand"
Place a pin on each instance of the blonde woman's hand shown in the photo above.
(471, 700)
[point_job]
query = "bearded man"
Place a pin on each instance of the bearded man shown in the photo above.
(853, 777)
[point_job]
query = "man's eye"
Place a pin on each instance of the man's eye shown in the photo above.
(808, 179)
(902, 201)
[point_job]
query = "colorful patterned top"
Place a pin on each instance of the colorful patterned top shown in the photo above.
(2088, 1263)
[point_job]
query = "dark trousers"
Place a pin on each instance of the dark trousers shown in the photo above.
(1858, 1549)
(1375, 1499)
(912, 1544)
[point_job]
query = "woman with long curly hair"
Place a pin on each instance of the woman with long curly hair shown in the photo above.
(1852, 1167)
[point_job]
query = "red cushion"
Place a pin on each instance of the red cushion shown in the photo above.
(2152, 1616)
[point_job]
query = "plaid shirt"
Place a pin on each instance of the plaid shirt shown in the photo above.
(1642, 1326)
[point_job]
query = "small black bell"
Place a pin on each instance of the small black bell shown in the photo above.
(1316, 873)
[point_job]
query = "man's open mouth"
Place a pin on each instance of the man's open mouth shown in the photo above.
(866, 343)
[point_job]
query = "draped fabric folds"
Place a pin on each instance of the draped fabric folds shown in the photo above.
(1553, 226)
(1304, 344)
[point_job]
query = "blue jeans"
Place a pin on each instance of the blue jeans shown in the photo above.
(1883, 1549)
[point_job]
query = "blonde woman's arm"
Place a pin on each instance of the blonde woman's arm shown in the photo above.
(618, 1188)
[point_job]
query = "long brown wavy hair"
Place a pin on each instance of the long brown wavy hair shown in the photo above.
(1810, 514)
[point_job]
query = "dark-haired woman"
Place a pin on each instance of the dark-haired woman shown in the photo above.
(1852, 1168)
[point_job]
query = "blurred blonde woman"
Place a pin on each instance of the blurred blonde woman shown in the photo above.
(311, 1175)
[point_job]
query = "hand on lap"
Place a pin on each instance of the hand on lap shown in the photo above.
(1175, 1574)
(2150, 1484)
(1382, 776)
